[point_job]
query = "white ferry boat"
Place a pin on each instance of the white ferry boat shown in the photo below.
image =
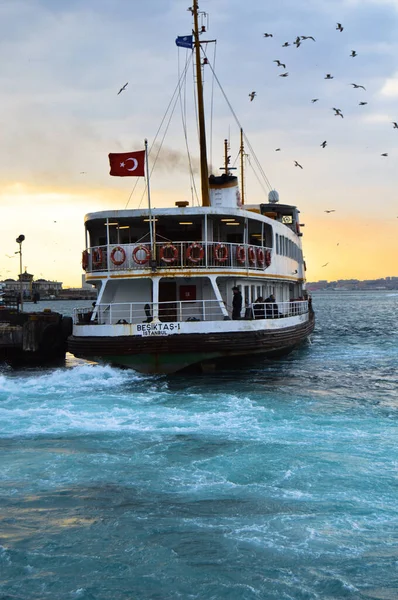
(167, 277)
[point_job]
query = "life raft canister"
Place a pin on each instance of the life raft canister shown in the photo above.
(195, 253)
(220, 253)
(84, 260)
(169, 248)
(121, 260)
(147, 254)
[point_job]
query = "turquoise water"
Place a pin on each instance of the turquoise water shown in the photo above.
(275, 482)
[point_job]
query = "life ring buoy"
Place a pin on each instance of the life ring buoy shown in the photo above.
(220, 253)
(97, 257)
(84, 260)
(145, 250)
(251, 255)
(168, 248)
(260, 257)
(267, 258)
(196, 249)
(121, 260)
(241, 255)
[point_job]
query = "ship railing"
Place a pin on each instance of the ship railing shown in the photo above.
(276, 310)
(177, 255)
(144, 312)
(130, 313)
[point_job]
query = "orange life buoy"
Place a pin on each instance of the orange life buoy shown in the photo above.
(168, 248)
(267, 258)
(85, 259)
(251, 255)
(196, 249)
(145, 250)
(122, 252)
(97, 257)
(220, 253)
(240, 255)
(260, 257)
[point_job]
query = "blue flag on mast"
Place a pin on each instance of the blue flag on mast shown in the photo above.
(185, 41)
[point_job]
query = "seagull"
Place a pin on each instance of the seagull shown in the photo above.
(251, 96)
(324, 144)
(362, 103)
(8, 256)
(358, 86)
(395, 124)
(285, 45)
(385, 154)
(338, 112)
(280, 64)
(122, 88)
(297, 42)
(83, 173)
(339, 27)
(325, 265)
(283, 74)
(314, 100)
(328, 76)
(307, 37)
(329, 211)
(268, 35)
(296, 164)
(277, 149)
(353, 53)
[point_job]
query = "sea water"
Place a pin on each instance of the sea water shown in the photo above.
(277, 481)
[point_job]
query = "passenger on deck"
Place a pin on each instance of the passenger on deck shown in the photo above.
(259, 308)
(236, 304)
(271, 307)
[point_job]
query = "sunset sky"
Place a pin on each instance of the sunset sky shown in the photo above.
(63, 64)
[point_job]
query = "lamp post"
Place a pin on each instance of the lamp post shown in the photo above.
(19, 241)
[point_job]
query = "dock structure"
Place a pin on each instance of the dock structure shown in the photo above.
(32, 338)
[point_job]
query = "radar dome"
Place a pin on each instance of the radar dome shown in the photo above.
(273, 196)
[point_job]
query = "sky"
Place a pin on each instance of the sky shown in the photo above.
(63, 64)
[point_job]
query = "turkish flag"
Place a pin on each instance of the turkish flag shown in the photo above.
(127, 164)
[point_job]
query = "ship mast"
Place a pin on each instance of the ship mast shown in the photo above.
(242, 164)
(204, 172)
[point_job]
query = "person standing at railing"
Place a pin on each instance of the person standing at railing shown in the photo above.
(271, 307)
(236, 304)
(259, 308)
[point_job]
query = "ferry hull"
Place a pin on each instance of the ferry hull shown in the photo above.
(173, 353)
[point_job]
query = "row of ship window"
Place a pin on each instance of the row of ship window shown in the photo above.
(286, 247)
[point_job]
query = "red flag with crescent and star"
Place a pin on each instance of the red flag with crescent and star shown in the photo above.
(127, 164)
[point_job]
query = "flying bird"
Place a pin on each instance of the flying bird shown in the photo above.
(325, 265)
(324, 144)
(297, 42)
(329, 211)
(279, 64)
(296, 164)
(353, 53)
(268, 35)
(251, 96)
(339, 27)
(277, 149)
(395, 124)
(285, 45)
(338, 113)
(122, 88)
(307, 37)
(328, 76)
(362, 103)
(385, 154)
(314, 100)
(283, 74)
(358, 86)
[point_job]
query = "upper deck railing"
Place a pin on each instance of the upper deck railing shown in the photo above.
(176, 255)
(123, 313)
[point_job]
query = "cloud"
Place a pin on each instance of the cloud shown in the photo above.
(390, 88)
